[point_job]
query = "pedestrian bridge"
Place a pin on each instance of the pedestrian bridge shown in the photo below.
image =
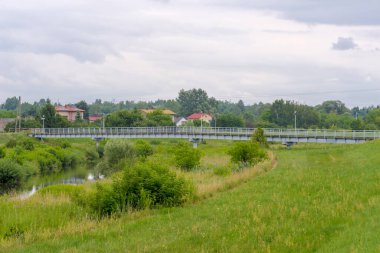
(209, 133)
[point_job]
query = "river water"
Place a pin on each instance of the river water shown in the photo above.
(72, 177)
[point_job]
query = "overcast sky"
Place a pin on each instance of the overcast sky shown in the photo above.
(254, 50)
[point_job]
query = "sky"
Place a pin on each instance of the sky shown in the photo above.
(116, 50)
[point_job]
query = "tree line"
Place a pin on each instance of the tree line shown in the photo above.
(331, 114)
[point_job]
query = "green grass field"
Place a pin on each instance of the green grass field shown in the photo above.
(323, 198)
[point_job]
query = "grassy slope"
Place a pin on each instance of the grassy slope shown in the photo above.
(319, 198)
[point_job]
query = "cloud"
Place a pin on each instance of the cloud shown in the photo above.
(344, 44)
(149, 49)
(339, 12)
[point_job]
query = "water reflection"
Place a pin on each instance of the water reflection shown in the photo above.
(73, 180)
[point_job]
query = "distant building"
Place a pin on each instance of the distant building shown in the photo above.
(179, 121)
(200, 116)
(93, 118)
(70, 112)
(164, 111)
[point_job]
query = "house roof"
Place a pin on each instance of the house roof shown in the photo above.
(95, 117)
(164, 111)
(197, 116)
(68, 108)
(178, 119)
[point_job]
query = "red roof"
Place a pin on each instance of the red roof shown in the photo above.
(68, 108)
(94, 117)
(197, 116)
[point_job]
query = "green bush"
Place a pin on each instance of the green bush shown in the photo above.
(65, 144)
(11, 143)
(28, 144)
(100, 151)
(10, 175)
(151, 184)
(143, 149)
(117, 150)
(155, 142)
(70, 161)
(103, 201)
(48, 163)
(247, 153)
(259, 137)
(141, 186)
(91, 156)
(118, 153)
(2, 152)
(186, 157)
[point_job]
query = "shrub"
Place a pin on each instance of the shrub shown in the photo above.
(28, 144)
(65, 144)
(100, 151)
(103, 200)
(11, 143)
(69, 161)
(141, 186)
(186, 157)
(259, 137)
(118, 153)
(2, 152)
(48, 163)
(248, 153)
(155, 142)
(143, 149)
(10, 175)
(91, 156)
(117, 150)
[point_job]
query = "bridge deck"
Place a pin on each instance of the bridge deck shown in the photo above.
(276, 135)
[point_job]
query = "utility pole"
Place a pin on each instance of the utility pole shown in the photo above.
(43, 123)
(295, 120)
(104, 121)
(18, 115)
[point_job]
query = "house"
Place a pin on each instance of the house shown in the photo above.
(200, 116)
(164, 111)
(70, 112)
(179, 121)
(93, 118)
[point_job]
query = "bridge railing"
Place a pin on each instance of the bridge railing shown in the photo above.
(201, 131)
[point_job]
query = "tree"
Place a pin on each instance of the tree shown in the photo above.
(373, 118)
(247, 153)
(84, 106)
(125, 118)
(241, 105)
(10, 103)
(186, 157)
(192, 101)
(10, 175)
(333, 106)
(52, 119)
(158, 118)
(230, 120)
(282, 114)
(259, 137)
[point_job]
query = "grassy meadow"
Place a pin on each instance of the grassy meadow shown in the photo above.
(314, 197)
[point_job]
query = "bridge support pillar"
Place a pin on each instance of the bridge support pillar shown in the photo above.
(289, 144)
(195, 142)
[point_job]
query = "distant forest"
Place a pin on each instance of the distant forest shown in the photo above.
(332, 114)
